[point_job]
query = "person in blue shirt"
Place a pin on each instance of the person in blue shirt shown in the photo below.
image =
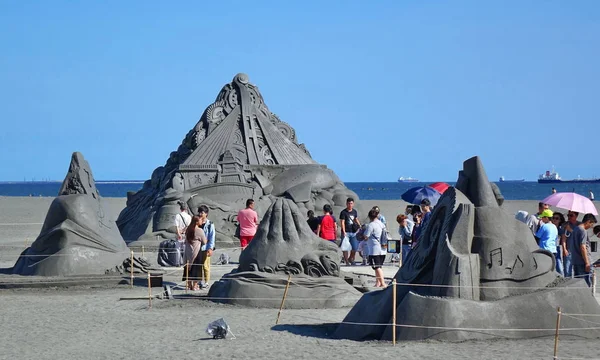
(206, 250)
(547, 233)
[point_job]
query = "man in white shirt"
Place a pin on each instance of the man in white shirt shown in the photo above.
(182, 220)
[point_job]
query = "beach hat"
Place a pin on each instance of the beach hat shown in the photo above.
(546, 213)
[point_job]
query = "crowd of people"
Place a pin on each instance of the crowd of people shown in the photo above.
(565, 237)
(198, 234)
(568, 239)
(369, 240)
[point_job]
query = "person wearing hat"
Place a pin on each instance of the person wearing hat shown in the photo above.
(547, 233)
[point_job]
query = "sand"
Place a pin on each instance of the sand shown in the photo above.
(92, 321)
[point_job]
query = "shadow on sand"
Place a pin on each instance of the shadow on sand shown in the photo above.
(320, 331)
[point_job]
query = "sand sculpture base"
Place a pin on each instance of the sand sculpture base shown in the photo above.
(264, 290)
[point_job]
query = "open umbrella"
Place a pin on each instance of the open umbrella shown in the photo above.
(439, 186)
(417, 194)
(571, 201)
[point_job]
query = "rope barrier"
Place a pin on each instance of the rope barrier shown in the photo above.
(580, 319)
(18, 224)
(449, 328)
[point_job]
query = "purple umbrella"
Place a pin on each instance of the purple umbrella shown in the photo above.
(571, 201)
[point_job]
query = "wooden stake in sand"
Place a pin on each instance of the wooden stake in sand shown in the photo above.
(287, 286)
(558, 314)
(143, 251)
(394, 312)
(131, 267)
(149, 292)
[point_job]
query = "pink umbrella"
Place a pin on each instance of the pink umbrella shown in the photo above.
(571, 201)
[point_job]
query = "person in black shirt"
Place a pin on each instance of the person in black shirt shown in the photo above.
(350, 225)
(313, 221)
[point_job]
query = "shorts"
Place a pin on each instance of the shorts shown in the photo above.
(353, 241)
(376, 261)
(245, 240)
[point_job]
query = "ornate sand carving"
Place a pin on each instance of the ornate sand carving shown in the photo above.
(78, 237)
(237, 150)
(481, 269)
(284, 244)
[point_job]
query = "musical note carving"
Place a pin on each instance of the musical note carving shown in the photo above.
(498, 253)
(517, 260)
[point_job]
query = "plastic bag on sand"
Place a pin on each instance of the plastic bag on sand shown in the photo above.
(218, 329)
(346, 244)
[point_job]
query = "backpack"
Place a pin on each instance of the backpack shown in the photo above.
(385, 236)
(170, 253)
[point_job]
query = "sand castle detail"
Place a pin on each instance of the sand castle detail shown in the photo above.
(238, 150)
(474, 265)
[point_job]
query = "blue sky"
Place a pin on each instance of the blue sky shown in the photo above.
(375, 90)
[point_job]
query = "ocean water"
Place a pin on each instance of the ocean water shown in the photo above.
(365, 190)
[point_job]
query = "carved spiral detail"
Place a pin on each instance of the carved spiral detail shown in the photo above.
(241, 78)
(286, 130)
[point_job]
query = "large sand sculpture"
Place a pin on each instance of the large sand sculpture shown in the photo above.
(238, 150)
(78, 236)
(478, 268)
(285, 245)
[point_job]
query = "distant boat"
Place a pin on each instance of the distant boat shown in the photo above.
(407, 180)
(502, 179)
(552, 177)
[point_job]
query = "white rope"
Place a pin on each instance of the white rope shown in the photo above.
(580, 319)
(449, 328)
(17, 224)
(581, 314)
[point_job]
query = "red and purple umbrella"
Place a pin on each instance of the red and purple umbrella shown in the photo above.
(441, 187)
(571, 201)
(417, 194)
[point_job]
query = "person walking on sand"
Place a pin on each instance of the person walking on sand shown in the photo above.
(591, 195)
(547, 233)
(373, 233)
(380, 215)
(565, 240)
(182, 220)
(207, 249)
(327, 227)
(349, 224)
(580, 249)
(541, 208)
(194, 239)
(558, 219)
(312, 221)
(553, 190)
(248, 220)
(405, 229)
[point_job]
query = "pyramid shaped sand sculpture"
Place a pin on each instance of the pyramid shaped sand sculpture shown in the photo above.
(284, 244)
(238, 150)
(482, 269)
(78, 236)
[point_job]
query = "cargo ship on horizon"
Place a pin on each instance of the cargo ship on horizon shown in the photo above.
(552, 177)
(502, 179)
(407, 180)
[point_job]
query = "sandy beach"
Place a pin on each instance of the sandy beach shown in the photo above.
(96, 321)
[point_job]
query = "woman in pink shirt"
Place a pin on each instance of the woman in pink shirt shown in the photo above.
(248, 220)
